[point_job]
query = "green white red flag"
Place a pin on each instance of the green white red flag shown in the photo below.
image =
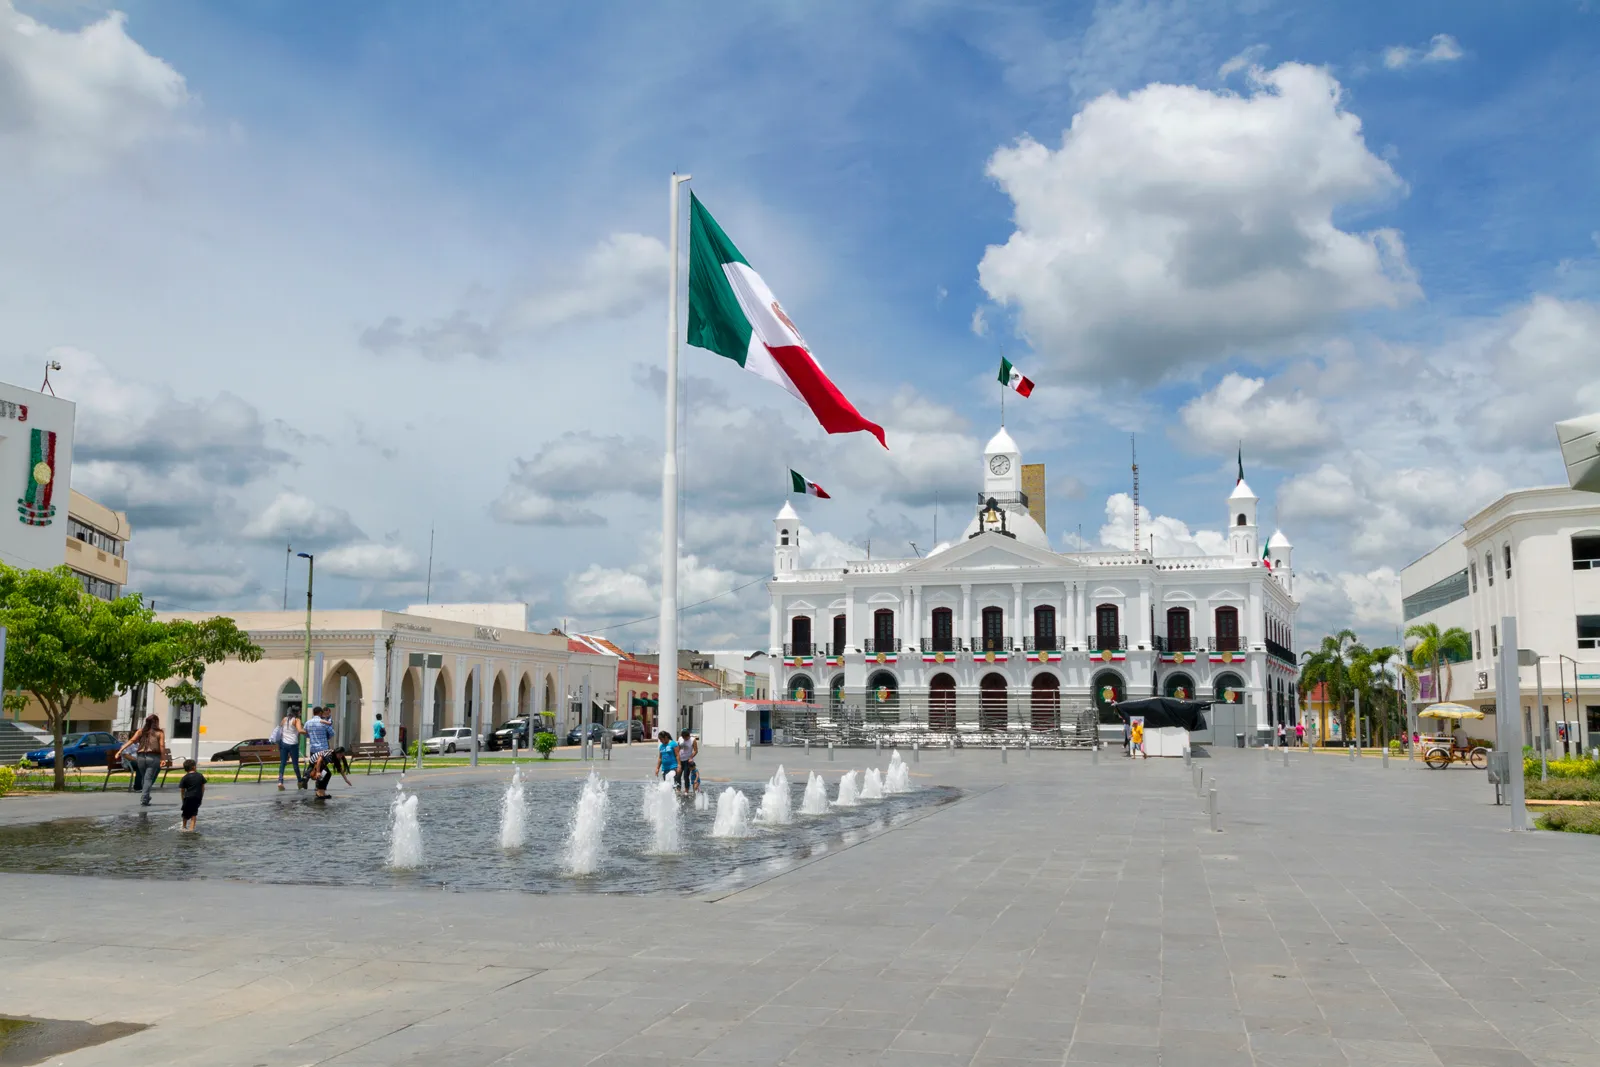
(734, 314)
(808, 488)
(1011, 376)
(1266, 561)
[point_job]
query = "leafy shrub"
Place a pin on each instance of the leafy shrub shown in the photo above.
(1584, 820)
(1481, 742)
(1566, 767)
(8, 778)
(545, 742)
(1562, 788)
(1395, 748)
(411, 749)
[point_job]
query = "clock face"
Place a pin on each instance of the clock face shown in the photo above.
(1000, 464)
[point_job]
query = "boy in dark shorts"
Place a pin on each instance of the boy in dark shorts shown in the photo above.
(192, 789)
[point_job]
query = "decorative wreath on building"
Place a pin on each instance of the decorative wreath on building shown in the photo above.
(883, 694)
(1108, 693)
(1230, 696)
(1182, 692)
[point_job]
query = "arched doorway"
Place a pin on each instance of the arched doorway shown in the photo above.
(1179, 686)
(883, 697)
(802, 688)
(835, 694)
(525, 697)
(469, 699)
(992, 702)
(942, 703)
(442, 711)
(497, 702)
(342, 689)
(1108, 688)
(288, 700)
(408, 709)
(1045, 709)
(1229, 688)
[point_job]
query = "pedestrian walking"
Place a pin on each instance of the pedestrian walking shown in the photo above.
(287, 735)
(1283, 736)
(192, 790)
(666, 757)
(1299, 735)
(151, 743)
(688, 750)
(128, 756)
(1136, 739)
(379, 732)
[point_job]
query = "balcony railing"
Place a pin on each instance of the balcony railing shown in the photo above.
(1108, 642)
(872, 646)
(1041, 644)
(942, 644)
(833, 648)
(798, 648)
(1174, 644)
(1225, 644)
(992, 643)
(1281, 652)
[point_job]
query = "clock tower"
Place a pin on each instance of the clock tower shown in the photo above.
(1002, 468)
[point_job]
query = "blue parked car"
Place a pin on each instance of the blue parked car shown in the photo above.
(78, 750)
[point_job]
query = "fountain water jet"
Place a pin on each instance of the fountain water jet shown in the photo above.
(514, 813)
(585, 848)
(872, 785)
(815, 800)
(733, 814)
(661, 811)
(849, 792)
(776, 807)
(898, 780)
(702, 800)
(405, 831)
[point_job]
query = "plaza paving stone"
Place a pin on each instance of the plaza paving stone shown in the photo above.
(1061, 912)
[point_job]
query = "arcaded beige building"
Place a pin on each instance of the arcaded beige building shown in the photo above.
(365, 662)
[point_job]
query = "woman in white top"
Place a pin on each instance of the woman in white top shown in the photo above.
(288, 736)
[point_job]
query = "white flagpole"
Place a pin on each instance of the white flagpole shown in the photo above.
(667, 698)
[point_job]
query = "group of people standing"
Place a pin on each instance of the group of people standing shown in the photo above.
(677, 759)
(323, 758)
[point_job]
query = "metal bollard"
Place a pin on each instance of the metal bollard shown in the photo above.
(1187, 759)
(916, 752)
(830, 751)
(808, 746)
(1286, 757)
(1212, 805)
(1352, 753)
(1002, 754)
(877, 745)
(1199, 780)
(1095, 757)
(1386, 755)
(749, 751)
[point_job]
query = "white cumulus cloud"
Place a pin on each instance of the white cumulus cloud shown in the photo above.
(1175, 224)
(370, 561)
(1267, 421)
(1443, 48)
(293, 517)
(1172, 536)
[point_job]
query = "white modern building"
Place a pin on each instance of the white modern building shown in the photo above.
(1533, 555)
(999, 630)
(36, 472)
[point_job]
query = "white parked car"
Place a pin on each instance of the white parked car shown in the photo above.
(450, 739)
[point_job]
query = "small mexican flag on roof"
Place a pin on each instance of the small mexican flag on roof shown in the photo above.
(1265, 560)
(808, 488)
(1011, 376)
(734, 314)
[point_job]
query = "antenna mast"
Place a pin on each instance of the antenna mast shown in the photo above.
(1134, 448)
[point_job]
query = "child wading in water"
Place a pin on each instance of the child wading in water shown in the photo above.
(192, 789)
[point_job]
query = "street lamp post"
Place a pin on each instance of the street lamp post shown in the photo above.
(311, 573)
(1576, 703)
(1526, 657)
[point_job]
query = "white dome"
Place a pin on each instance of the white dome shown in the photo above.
(1000, 442)
(1242, 492)
(1277, 540)
(788, 512)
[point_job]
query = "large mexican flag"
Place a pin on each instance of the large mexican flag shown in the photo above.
(734, 314)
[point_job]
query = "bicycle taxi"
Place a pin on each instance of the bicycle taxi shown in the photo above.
(1441, 750)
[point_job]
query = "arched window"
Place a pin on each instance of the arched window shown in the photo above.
(838, 635)
(944, 639)
(1227, 639)
(942, 703)
(1508, 561)
(1107, 632)
(883, 697)
(1178, 639)
(1488, 566)
(883, 631)
(1475, 575)
(783, 538)
(992, 714)
(1107, 688)
(1585, 552)
(1229, 688)
(994, 630)
(1178, 685)
(1044, 628)
(1045, 707)
(801, 688)
(800, 635)
(835, 693)
(289, 698)
(1240, 520)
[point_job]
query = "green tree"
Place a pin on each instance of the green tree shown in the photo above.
(65, 647)
(1436, 649)
(1372, 674)
(1328, 666)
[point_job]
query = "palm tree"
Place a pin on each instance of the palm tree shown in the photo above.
(1369, 671)
(1327, 666)
(1435, 648)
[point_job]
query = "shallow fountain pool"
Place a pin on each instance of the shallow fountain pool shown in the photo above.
(292, 839)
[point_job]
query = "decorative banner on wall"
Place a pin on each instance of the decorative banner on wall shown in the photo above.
(34, 508)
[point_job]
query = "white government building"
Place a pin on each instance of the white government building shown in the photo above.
(997, 630)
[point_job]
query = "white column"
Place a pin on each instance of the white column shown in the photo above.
(774, 628)
(850, 618)
(966, 613)
(1144, 637)
(908, 611)
(378, 701)
(1016, 634)
(457, 697)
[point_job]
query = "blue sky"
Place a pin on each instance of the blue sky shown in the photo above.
(336, 273)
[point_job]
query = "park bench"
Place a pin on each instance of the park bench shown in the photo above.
(118, 768)
(375, 750)
(258, 756)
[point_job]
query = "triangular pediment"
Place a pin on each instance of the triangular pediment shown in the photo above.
(987, 551)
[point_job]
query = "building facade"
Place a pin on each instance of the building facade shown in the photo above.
(36, 433)
(997, 629)
(97, 546)
(1532, 555)
(421, 673)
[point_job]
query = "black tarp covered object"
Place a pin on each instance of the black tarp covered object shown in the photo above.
(1161, 712)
